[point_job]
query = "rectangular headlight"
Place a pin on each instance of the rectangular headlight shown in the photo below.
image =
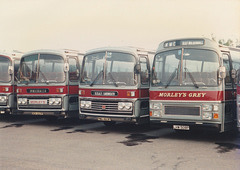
(154, 105)
(156, 113)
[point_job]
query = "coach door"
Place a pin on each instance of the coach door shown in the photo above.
(144, 85)
(74, 73)
(230, 107)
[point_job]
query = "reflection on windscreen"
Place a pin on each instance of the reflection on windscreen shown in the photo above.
(111, 68)
(4, 65)
(188, 67)
(46, 68)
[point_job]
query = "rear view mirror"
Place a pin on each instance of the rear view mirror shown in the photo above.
(10, 70)
(234, 73)
(66, 67)
(77, 73)
(222, 72)
(137, 68)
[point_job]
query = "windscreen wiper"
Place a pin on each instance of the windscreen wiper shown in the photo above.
(99, 74)
(26, 80)
(191, 77)
(171, 78)
(114, 81)
(44, 77)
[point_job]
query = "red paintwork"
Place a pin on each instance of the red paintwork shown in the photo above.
(122, 93)
(52, 90)
(73, 89)
(187, 95)
(238, 89)
(10, 89)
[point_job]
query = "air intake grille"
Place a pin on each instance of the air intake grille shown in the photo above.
(178, 110)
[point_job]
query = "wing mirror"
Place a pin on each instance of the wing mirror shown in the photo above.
(137, 68)
(66, 67)
(10, 70)
(222, 72)
(234, 73)
(77, 73)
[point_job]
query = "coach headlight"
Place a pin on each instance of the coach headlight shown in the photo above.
(82, 103)
(124, 106)
(128, 106)
(22, 101)
(156, 113)
(85, 104)
(55, 101)
(19, 101)
(207, 115)
(88, 104)
(207, 108)
(121, 105)
(154, 105)
(3, 98)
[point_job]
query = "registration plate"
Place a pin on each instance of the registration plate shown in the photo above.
(181, 127)
(104, 119)
(37, 113)
(35, 101)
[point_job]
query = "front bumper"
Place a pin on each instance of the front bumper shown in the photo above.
(118, 118)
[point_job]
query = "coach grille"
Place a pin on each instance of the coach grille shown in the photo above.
(180, 110)
(106, 107)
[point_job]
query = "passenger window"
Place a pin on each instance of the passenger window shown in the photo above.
(144, 70)
(73, 69)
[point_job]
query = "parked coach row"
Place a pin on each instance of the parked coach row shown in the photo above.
(186, 82)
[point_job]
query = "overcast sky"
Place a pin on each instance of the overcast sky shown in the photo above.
(85, 24)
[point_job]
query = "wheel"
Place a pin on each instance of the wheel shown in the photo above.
(112, 123)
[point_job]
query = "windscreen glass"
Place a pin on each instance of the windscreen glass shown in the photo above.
(42, 68)
(185, 67)
(109, 68)
(4, 67)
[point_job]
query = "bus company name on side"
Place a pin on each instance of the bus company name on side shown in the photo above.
(199, 95)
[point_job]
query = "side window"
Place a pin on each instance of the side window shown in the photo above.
(144, 70)
(226, 64)
(236, 67)
(73, 69)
